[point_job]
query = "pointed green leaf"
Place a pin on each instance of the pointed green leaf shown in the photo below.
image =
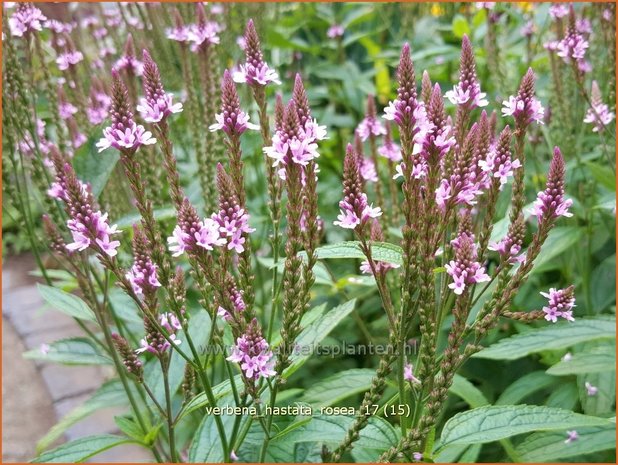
(495, 422)
(68, 304)
(552, 337)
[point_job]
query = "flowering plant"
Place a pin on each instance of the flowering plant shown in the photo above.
(208, 297)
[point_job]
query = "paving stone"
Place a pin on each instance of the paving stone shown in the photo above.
(100, 422)
(34, 400)
(122, 454)
(15, 271)
(29, 314)
(64, 382)
(27, 411)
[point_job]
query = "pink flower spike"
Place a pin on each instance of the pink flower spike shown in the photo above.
(560, 304)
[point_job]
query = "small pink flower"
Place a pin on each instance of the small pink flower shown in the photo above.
(572, 436)
(336, 30)
(590, 389)
(68, 59)
(154, 112)
(408, 374)
(131, 138)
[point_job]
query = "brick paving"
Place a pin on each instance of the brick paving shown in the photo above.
(36, 394)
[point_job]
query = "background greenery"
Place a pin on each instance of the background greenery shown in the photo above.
(524, 367)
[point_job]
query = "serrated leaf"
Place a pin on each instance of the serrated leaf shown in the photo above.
(338, 387)
(381, 251)
(68, 304)
(82, 449)
(495, 422)
(556, 336)
(71, 351)
(550, 446)
(600, 359)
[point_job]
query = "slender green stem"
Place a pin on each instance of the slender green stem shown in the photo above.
(168, 405)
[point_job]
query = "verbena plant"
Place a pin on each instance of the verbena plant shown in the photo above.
(176, 299)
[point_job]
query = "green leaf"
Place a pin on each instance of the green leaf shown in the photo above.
(558, 241)
(602, 403)
(603, 293)
(206, 445)
(110, 394)
(599, 359)
(495, 422)
(313, 334)
(381, 251)
(331, 429)
(338, 387)
(95, 168)
(525, 386)
(460, 26)
(555, 336)
(160, 214)
(565, 395)
(129, 427)
(68, 304)
(602, 175)
(201, 400)
(550, 446)
(463, 388)
(71, 351)
(82, 449)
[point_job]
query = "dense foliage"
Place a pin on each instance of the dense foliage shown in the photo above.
(379, 231)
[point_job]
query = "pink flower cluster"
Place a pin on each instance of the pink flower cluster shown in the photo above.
(334, 31)
(232, 120)
(98, 108)
(253, 354)
(355, 212)
(598, 114)
(155, 343)
(300, 147)
(93, 229)
(124, 134)
(126, 138)
(370, 126)
(464, 94)
(233, 225)
(560, 304)
(68, 59)
(255, 71)
(465, 269)
(550, 203)
(26, 18)
(354, 207)
(157, 104)
(205, 234)
(238, 305)
(517, 108)
(143, 277)
(499, 166)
